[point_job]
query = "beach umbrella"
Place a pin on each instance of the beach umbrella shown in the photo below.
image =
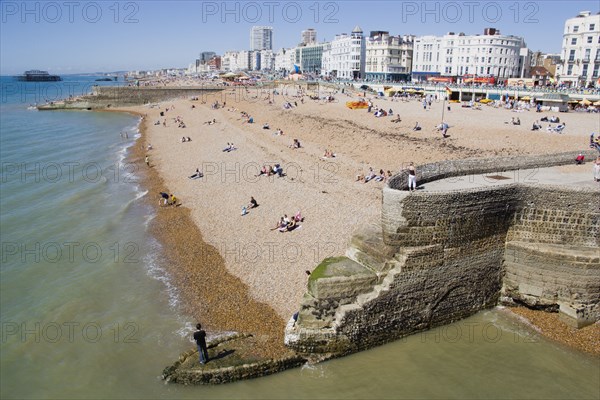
(597, 103)
(585, 102)
(526, 98)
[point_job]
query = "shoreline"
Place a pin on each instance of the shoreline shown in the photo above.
(585, 340)
(208, 292)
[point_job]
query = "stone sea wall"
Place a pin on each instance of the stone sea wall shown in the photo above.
(441, 256)
(103, 97)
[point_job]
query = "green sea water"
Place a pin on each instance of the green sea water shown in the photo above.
(88, 310)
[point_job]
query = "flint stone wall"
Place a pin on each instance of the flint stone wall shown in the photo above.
(121, 96)
(457, 251)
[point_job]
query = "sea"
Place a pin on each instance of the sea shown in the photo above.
(88, 310)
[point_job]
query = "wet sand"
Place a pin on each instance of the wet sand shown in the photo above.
(208, 292)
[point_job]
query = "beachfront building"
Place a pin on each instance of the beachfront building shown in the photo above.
(228, 59)
(309, 58)
(263, 60)
(540, 76)
(215, 63)
(388, 58)
(580, 53)
(205, 56)
(309, 36)
(345, 56)
(261, 38)
(284, 60)
(236, 61)
(548, 61)
(454, 56)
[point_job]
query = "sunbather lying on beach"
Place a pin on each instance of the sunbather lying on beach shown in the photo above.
(229, 147)
(196, 175)
(380, 177)
(328, 154)
(370, 175)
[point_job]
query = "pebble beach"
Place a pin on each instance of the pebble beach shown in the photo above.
(235, 272)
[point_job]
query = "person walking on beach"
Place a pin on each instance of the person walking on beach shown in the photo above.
(147, 160)
(200, 338)
(412, 177)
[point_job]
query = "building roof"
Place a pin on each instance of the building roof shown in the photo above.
(540, 71)
(555, 97)
(357, 29)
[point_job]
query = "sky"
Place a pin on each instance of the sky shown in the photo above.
(67, 36)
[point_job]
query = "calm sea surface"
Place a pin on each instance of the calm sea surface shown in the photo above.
(87, 310)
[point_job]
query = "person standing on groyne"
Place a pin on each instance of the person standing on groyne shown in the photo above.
(200, 338)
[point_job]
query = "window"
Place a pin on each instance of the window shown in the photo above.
(590, 39)
(592, 27)
(574, 41)
(596, 68)
(570, 70)
(576, 28)
(584, 71)
(586, 57)
(572, 55)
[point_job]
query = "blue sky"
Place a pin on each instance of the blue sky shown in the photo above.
(87, 36)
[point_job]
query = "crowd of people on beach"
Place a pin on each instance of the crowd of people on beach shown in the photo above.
(286, 224)
(371, 175)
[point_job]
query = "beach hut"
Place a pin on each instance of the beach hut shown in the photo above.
(556, 101)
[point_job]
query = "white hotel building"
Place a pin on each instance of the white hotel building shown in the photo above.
(388, 58)
(452, 55)
(344, 56)
(580, 56)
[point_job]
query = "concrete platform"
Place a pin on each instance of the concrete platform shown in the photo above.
(567, 175)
